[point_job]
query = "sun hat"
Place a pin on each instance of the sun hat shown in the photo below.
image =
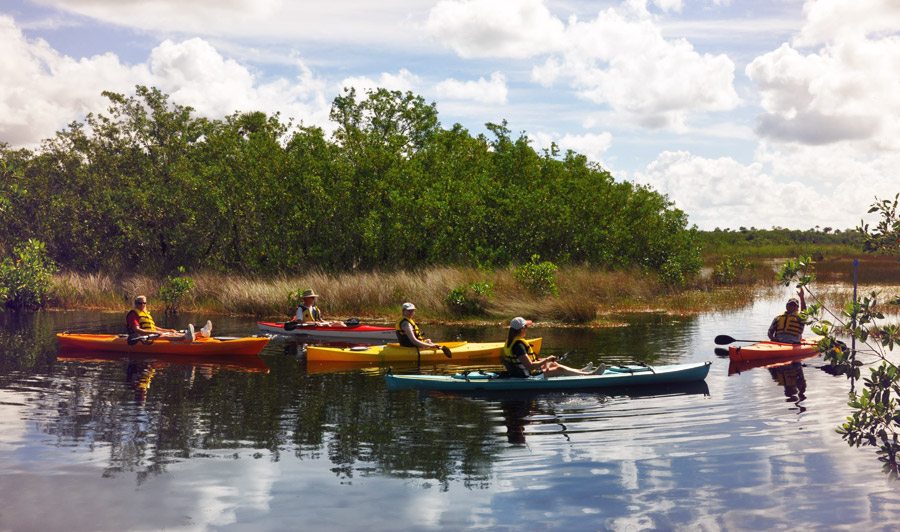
(793, 301)
(519, 322)
(309, 293)
(408, 306)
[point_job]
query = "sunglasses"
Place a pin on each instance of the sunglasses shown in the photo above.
(141, 302)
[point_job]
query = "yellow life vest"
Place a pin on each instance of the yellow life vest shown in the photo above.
(145, 320)
(401, 336)
(509, 359)
(789, 323)
(310, 313)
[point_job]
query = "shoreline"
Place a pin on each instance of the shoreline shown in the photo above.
(586, 297)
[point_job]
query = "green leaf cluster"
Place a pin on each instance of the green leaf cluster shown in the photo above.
(149, 186)
(470, 299)
(26, 278)
(539, 278)
(174, 290)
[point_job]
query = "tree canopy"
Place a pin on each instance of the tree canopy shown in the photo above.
(150, 187)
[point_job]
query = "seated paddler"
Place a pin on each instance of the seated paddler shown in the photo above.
(408, 333)
(139, 322)
(521, 360)
(787, 327)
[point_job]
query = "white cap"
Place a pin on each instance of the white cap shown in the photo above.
(408, 306)
(519, 322)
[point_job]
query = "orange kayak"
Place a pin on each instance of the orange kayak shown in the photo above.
(770, 350)
(251, 345)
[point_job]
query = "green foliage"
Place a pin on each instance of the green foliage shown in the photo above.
(470, 299)
(539, 278)
(27, 277)
(731, 269)
(173, 291)
(876, 412)
(149, 186)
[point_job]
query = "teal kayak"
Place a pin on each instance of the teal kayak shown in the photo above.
(616, 376)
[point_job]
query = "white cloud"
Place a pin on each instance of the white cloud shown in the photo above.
(41, 91)
(482, 91)
(591, 145)
(835, 20)
(846, 91)
(389, 22)
(495, 28)
(402, 81)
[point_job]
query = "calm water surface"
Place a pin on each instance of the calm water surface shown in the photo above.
(92, 443)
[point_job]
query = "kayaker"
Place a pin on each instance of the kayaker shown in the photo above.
(309, 313)
(521, 360)
(139, 322)
(408, 333)
(787, 328)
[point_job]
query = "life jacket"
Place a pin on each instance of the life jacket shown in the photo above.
(512, 362)
(789, 323)
(309, 313)
(145, 320)
(401, 336)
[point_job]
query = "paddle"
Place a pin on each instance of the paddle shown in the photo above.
(291, 325)
(724, 339)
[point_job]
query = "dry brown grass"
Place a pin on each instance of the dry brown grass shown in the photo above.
(586, 295)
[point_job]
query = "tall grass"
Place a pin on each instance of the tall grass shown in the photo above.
(586, 295)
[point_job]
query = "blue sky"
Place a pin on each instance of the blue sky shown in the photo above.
(745, 113)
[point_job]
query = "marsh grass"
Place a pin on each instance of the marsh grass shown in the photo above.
(587, 296)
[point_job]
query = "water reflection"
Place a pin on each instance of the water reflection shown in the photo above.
(269, 445)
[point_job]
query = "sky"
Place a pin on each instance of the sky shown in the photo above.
(745, 113)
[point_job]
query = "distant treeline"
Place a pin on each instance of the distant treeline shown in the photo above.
(149, 187)
(779, 241)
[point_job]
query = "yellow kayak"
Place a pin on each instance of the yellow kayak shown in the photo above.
(381, 354)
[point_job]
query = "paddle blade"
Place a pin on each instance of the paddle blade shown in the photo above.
(724, 339)
(446, 351)
(721, 352)
(290, 325)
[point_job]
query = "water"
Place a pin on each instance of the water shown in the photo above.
(96, 443)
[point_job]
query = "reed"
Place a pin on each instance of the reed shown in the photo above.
(586, 295)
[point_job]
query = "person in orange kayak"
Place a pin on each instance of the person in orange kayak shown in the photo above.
(139, 322)
(521, 360)
(309, 313)
(787, 328)
(408, 333)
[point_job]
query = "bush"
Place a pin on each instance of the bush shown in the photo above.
(730, 269)
(538, 278)
(470, 299)
(26, 281)
(173, 292)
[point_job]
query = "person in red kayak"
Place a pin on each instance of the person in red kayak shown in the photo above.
(521, 360)
(787, 328)
(308, 313)
(139, 322)
(408, 333)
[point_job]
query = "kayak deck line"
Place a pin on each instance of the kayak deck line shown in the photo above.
(621, 376)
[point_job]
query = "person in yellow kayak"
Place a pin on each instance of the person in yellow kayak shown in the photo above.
(408, 333)
(308, 313)
(521, 360)
(787, 328)
(139, 322)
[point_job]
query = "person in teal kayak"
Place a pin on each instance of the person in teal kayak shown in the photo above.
(308, 313)
(521, 360)
(139, 322)
(408, 333)
(787, 327)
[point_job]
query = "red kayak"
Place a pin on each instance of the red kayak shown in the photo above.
(770, 350)
(351, 333)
